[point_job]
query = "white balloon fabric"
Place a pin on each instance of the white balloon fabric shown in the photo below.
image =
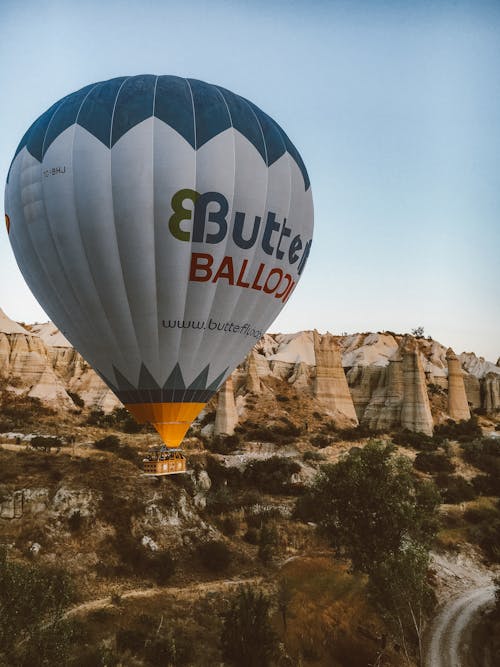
(162, 223)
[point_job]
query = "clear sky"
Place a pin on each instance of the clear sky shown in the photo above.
(394, 107)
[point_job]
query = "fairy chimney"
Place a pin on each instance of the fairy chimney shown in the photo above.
(226, 416)
(416, 411)
(253, 381)
(330, 385)
(458, 406)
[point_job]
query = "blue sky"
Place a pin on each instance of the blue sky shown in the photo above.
(394, 107)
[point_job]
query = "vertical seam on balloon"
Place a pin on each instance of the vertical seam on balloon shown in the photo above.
(155, 300)
(155, 258)
(56, 250)
(251, 312)
(228, 235)
(97, 292)
(191, 239)
(281, 135)
(254, 253)
(114, 221)
(223, 340)
(49, 124)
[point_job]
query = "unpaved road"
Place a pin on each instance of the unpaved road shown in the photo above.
(193, 590)
(449, 637)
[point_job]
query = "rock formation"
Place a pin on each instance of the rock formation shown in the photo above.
(384, 409)
(253, 381)
(458, 407)
(226, 416)
(363, 381)
(491, 385)
(41, 362)
(415, 410)
(330, 384)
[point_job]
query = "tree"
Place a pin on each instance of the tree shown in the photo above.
(247, 639)
(370, 505)
(400, 589)
(418, 332)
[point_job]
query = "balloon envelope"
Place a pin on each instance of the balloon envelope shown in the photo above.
(162, 223)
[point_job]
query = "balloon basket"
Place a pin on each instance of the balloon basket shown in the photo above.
(164, 461)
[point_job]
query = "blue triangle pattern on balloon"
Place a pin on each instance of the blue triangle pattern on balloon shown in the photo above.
(198, 111)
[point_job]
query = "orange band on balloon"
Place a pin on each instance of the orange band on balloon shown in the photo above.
(171, 420)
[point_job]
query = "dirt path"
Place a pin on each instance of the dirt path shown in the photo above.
(449, 642)
(465, 589)
(177, 592)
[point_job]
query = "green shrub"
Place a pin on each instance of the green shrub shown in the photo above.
(483, 454)
(461, 431)
(111, 443)
(455, 489)
(223, 444)
(356, 432)
(487, 485)
(271, 475)
(45, 443)
(420, 441)
(247, 638)
(433, 462)
(215, 555)
(313, 456)
(230, 525)
(321, 440)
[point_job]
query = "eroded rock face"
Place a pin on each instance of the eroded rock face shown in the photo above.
(42, 363)
(415, 410)
(458, 406)
(253, 381)
(226, 417)
(491, 388)
(384, 410)
(330, 386)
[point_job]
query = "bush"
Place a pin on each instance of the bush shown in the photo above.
(221, 500)
(247, 638)
(321, 440)
(111, 443)
(461, 431)
(271, 475)
(483, 454)
(356, 432)
(433, 462)
(420, 441)
(455, 489)
(313, 456)
(215, 555)
(268, 540)
(230, 525)
(487, 485)
(45, 443)
(223, 444)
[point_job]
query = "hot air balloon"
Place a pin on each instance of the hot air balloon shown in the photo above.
(162, 223)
